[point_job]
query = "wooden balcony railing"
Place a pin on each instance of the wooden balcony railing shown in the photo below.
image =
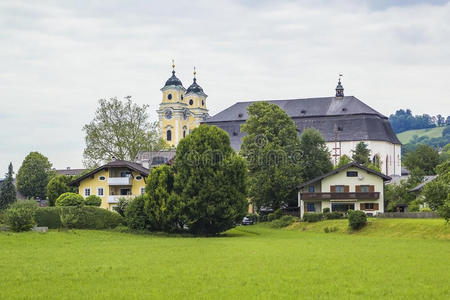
(328, 196)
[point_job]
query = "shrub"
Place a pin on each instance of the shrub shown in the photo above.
(89, 217)
(312, 217)
(333, 215)
(122, 205)
(48, 216)
(69, 199)
(425, 209)
(275, 215)
(330, 229)
(93, 200)
(444, 210)
(284, 221)
(326, 210)
(356, 219)
(135, 215)
(20, 215)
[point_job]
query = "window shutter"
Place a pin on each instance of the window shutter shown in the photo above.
(376, 206)
(346, 188)
(358, 188)
(371, 188)
(333, 188)
(362, 206)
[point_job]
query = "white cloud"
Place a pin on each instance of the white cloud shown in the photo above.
(58, 58)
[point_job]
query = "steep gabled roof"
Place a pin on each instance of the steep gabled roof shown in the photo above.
(115, 164)
(335, 171)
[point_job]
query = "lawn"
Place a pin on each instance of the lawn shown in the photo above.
(406, 136)
(248, 262)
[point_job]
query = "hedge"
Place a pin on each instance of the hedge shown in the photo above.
(85, 217)
(333, 215)
(312, 217)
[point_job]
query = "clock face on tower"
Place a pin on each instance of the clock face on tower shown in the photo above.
(168, 114)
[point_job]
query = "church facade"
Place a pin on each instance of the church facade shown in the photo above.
(343, 121)
(181, 110)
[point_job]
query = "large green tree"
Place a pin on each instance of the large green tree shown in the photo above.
(59, 185)
(361, 154)
(437, 191)
(424, 157)
(272, 149)
(211, 180)
(8, 193)
(315, 157)
(34, 175)
(119, 130)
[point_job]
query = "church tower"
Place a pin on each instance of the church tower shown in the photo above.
(181, 110)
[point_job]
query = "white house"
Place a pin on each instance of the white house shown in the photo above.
(352, 186)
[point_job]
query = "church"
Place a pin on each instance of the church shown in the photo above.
(343, 121)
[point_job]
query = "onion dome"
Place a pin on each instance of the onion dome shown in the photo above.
(339, 88)
(194, 87)
(173, 80)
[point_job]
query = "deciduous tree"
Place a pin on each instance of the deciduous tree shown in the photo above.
(119, 130)
(424, 157)
(34, 175)
(59, 185)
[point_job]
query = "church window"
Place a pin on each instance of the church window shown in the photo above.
(182, 97)
(169, 135)
(203, 102)
(184, 133)
(191, 102)
(169, 96)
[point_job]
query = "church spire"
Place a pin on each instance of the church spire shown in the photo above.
(339, 88)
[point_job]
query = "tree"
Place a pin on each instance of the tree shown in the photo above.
(343, 160)
(163, 207)
(8, 190)
(93, 200)
(437, 191)
(272, 149)
(361, 154)
(59, 185)
(315, 157)
(424, 157)
(211, 180)
(119, 130)
(34, 175)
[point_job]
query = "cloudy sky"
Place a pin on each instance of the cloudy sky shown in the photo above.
(57, 58)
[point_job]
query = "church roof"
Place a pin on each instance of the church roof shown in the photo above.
(173, 80)
(195, 88)
(352, 119)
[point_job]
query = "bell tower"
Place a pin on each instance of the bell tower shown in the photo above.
(196, 101)
(172, 110)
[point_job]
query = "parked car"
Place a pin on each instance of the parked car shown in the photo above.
(247, 221)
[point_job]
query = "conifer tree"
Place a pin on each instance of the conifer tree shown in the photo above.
(361, 154)
(8, 190)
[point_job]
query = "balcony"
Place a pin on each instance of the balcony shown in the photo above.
(112, 199)
(332, 196)
(120, 180)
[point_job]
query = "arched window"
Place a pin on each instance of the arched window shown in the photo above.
(184, 131)
(169, 135)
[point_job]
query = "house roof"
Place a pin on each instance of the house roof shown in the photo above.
(426, 180)
(335, 171)
(69, 171)
(347, 118)
(115, 164)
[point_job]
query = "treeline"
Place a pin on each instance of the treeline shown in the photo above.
(403, 120)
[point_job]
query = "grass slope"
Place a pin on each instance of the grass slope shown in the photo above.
(249, 262)
(406, 136)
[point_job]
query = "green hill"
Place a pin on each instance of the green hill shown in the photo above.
(406, 136)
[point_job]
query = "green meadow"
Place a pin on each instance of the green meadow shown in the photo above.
(406, 136)
(396, 259)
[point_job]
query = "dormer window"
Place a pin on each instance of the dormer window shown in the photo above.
(344, 109)
(240, 115)
(303, 111)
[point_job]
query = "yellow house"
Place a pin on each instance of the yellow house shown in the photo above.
(113, 181)
(181, 110)
(352, 186)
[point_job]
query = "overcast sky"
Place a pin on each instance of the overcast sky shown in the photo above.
(57, 58)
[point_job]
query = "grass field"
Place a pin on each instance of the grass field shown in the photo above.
(406, 136)
(248, 262)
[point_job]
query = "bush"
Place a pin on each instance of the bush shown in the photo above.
(330, 229)
(122, 205)
(89, 217)
(275, 215)
(284, 221)
(444, 210)
(333, 215)
(93, 200)
(135, 215)
(48, 216)
(425, 209)
(356, 219)
(326, 210)
(69, 199)
(312, 217)
(20, 215)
